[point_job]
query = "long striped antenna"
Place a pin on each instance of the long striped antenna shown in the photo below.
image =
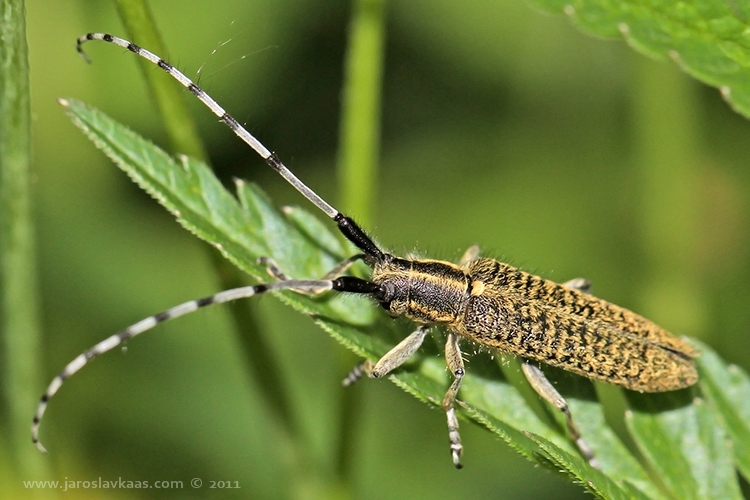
(346, 225)
(343, 284)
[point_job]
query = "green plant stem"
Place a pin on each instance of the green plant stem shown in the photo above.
(19, 309)
(184, 138)
(359, 144)
(179, 124)
(360, 115)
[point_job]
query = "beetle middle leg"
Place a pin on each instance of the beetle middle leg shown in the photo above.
(456, 366)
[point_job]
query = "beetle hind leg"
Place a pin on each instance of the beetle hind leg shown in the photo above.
(547, 391)
(471, 254)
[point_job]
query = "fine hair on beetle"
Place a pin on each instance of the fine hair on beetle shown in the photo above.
(480, 300)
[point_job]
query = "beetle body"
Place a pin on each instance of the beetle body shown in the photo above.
(503, 308)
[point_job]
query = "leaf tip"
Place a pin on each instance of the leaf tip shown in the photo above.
(63, 102)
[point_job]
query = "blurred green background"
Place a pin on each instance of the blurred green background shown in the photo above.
(503, 126)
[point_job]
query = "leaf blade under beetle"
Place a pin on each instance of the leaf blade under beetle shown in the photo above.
(681, 436)
(728, 387)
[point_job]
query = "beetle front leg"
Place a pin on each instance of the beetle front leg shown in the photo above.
(392, 360)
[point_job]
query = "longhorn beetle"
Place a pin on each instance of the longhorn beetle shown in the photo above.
(479, 299)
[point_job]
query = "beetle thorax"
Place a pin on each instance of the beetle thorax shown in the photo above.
(425, 291)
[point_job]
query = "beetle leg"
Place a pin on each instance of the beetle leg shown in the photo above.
(547, 391)
(456, 366)
(469, 255)
(580, 284)
(273, 268)
(392, 360)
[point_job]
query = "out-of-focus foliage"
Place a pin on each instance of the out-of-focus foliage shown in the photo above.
(541, 144)
(708, 38)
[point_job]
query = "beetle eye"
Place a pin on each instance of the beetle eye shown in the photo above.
(389, 290)
(385, 294)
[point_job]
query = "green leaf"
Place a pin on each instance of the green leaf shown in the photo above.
(546, 452)
(708, 38)
(728, 387)
(682, 439)
(594, 480)
(614, 458)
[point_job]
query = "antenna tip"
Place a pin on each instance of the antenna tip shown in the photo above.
(39, 446)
